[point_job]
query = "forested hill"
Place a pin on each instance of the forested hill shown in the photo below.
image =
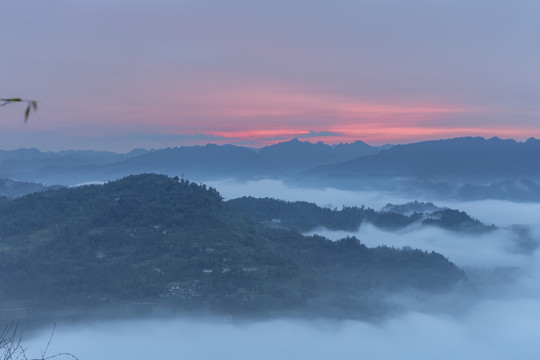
(10, 188)
(303, 216)
(150, 240)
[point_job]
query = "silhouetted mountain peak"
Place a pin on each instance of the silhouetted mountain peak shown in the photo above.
(295, 155)
(443, 166)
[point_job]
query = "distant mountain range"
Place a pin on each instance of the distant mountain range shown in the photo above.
(195, 162)
(468, 159)
(468, 168)
(291, 156)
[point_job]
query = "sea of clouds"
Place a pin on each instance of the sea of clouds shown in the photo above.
(502, 323)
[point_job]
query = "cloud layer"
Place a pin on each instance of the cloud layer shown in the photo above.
(496, 319)
(491, 330)
(380, 71)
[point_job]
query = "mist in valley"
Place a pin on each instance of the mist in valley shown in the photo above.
(493, 316)
(494, 329)
(490, 330)
(326, 197)
(120, 235)
(498, 212)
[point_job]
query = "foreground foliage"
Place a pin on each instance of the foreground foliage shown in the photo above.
(11, 347)
(31, 105)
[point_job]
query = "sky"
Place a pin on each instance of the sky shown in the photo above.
(118, 74)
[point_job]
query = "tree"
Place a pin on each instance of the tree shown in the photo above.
(31, 105)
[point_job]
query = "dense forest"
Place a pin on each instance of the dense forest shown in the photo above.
(303, 216)
(155, 241)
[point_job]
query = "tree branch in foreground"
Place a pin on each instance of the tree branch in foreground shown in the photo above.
(11, 348)
(31, 105)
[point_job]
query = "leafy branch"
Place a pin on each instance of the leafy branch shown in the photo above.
(31, 105)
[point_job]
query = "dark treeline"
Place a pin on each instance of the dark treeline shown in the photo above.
(151, 241)
(303, 216)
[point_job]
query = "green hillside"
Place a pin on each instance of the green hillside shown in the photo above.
(160, 241)
(303, 216)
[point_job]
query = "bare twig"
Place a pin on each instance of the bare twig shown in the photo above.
(10, 345)
(10, 342)
(43, 353)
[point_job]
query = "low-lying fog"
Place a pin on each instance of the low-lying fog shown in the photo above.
(501, 324)
(497, 248)
(491, 330)
(329, 197)
(498, 212)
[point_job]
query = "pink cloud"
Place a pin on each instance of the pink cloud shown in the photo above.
(242, 112)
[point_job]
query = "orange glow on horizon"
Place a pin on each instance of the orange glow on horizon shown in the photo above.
(369, 134)
(248, 134)
(255, 116)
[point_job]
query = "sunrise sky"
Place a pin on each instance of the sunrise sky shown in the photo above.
(123, 74)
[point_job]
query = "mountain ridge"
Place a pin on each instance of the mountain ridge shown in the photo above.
(467, 168)
(169, 242)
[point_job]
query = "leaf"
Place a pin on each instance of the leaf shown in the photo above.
(26, 114)
(31, 105)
